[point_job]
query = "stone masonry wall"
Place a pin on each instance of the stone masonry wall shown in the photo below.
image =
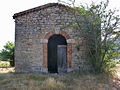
(30, 31)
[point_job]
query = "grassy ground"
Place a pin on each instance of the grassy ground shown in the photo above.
(71, 81)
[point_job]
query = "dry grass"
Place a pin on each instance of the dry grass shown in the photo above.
(52, 84)
(118, 69)
(4, 64)
(71, 81)
(5, 67)
(6, 70)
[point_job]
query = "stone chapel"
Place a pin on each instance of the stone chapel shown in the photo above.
(46, 43)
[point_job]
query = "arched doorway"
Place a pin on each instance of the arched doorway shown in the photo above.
(57, 54)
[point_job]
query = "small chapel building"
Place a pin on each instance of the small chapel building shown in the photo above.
(45, 42)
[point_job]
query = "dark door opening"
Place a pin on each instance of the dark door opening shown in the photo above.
(53, 43)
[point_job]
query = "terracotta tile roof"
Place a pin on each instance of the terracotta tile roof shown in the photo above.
(37, 8)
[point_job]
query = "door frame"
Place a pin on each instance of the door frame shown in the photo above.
(53, 43)
(69, 47)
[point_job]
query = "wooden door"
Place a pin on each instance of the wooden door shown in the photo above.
(62, 58)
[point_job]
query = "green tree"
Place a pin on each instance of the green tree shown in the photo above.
(104, 25)
(7, 53)
(105, 46)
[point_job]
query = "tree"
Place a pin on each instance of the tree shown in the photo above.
(104, 25)
(7, 54)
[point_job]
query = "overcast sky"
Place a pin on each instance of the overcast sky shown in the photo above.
(9, 7)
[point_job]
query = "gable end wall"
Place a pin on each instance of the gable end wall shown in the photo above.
(30, 32)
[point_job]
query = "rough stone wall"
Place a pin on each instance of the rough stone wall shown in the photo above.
(30, 30)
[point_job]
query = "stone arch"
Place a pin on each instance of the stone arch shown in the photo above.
(48, 35)
(69, 47)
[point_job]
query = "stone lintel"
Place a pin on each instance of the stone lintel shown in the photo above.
(43, 41)
(70, 41)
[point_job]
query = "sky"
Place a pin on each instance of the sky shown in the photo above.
(9, 7)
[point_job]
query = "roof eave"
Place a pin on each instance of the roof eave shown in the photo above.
(36, 9)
